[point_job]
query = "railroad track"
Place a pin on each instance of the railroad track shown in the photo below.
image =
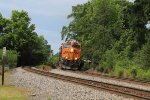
(127, 91)
(137, 81)
(122, 79)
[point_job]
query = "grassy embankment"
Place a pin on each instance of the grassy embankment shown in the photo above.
(133, 72)
(12, 93)
(8, 92)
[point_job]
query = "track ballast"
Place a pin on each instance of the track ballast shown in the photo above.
(127, 91)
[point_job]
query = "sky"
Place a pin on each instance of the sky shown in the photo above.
(49, 16)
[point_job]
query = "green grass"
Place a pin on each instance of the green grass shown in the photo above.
(11, 92)
(132, 72)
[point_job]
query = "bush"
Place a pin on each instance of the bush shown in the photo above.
(143, 56)
(108, 62)
(134, 73)
(53, 61)
(126, 73)
(96, 57)
(143, 73)
(119, 71)
(50, 62)
(100, 68)
(86, 66)
(124, 62)
(11, 58)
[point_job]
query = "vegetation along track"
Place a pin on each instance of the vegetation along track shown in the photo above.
(136, 93)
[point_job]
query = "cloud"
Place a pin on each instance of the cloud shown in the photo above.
(53, 38)
(44, 8)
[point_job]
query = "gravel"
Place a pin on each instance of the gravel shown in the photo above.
(116, 82)
(43, 88)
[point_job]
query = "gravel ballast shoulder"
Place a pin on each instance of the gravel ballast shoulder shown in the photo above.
(43, 88)
(111, 81)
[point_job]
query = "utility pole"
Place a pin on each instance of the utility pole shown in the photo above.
(3, 63)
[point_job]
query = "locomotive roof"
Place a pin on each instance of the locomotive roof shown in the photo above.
(71, 42)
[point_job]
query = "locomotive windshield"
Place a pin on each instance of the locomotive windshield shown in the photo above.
(76, 46)
(67, 45)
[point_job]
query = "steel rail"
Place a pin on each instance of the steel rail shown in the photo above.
(146, 82)
(128, 80)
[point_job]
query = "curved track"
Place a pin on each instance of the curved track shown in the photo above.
(128, 80)
(127, 91)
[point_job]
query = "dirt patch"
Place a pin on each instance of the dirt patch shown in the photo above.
(45, 67)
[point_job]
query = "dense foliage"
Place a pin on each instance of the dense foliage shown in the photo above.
(113, 34)
(17, 33)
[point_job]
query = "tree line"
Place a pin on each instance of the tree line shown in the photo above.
(113, 33)
(18, 34)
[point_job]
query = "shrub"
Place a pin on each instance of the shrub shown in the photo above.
(143, 73)
(119, 71)
(134, 72)
(50, 62)
(108, 61)
(11, 58)
(100, 68)
(126, 73)
(86, 66)
(96, 57)
(53, 61)
(142, 57)
(124, 62)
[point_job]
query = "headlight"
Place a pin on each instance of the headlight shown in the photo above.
(66, 57)
(71, 49)
(76, 58)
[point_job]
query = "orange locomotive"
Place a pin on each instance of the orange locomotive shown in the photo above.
(70, 53)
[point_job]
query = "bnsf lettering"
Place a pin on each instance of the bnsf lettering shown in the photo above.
(66, 52)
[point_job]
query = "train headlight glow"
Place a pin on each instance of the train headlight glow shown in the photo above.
(71, 49)
(76, 58)
(66, 57)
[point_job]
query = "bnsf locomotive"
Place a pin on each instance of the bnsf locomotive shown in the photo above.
(70, 53)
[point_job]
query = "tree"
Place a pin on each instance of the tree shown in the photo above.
(97, 24)
(1, 24)
(137, 17)
(20, 35)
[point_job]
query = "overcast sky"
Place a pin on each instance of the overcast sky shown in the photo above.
(49, 16)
